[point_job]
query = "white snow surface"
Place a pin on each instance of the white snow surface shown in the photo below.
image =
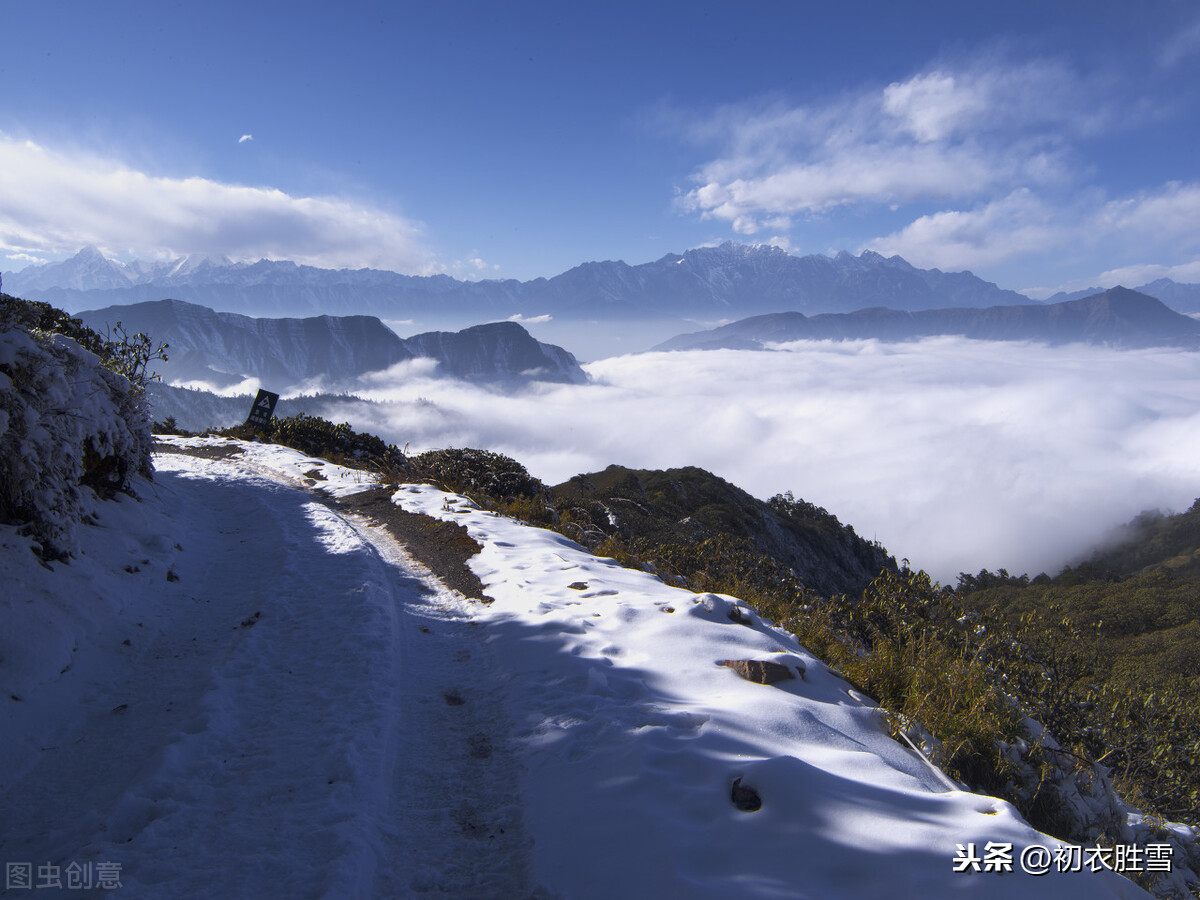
(235, 690)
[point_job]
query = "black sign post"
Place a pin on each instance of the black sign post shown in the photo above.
(263, 409)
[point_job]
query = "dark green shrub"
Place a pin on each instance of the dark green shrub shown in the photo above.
(478, 471)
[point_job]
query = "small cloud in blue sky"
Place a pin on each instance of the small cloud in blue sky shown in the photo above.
(1183, 44)
(942, 135)
(26, 258)
(473, 268)
(245, 137)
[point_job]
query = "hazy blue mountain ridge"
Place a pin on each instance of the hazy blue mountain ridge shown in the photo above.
(1183, 298)
(731, 278)
(1117, 317)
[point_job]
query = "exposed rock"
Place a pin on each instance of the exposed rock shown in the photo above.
(759, 671)
(740, 615)
(745, 798)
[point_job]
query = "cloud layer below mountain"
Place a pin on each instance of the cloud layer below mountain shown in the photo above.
(957, 454)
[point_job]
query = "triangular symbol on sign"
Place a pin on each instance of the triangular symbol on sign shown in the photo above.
(265, 402)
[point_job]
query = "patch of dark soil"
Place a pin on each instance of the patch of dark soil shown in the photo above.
(208, 452)
(480, 746)
(443, 547)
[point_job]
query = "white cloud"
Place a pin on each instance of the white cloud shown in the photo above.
(1183, 43)
(245, 137)
(1160, 223)
(52, 202)
(530, 320)
(750, 195)
(1170, 213)
(933, 106)
(417, 368)
(26, 258)
(1132, 276)
(957, 454)
(941, 135)
(245, 386)
(1017, 225)
(472, 268)
(987, 155)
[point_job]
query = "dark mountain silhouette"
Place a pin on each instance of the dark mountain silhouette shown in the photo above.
(222, 349)
(495, 352)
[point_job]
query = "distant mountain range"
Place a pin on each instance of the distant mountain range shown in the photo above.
(223, 349)
(714, 282)
(1117, 317)
(1180, 297)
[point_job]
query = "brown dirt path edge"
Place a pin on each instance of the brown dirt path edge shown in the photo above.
(442, 547)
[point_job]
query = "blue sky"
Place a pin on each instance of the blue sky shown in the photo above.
(1041, 145)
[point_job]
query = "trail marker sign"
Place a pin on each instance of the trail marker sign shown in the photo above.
(263, 409)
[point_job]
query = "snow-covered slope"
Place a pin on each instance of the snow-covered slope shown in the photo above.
(236, 690)
(68, 426)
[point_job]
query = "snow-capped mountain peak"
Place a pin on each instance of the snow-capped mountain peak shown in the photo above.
(87, 270)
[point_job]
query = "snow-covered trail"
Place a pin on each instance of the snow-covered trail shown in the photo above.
(305, 712)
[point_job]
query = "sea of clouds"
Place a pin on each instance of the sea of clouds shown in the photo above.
(956, 454)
